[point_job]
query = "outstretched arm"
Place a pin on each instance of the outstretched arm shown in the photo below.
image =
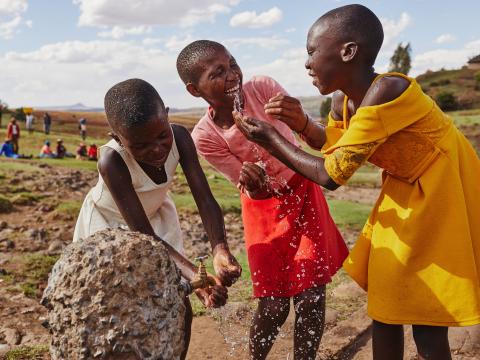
(290, 111)
(117, 177)
(115, 173)
(226, 266)
(296, 159)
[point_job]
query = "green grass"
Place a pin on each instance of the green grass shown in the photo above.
(69, 208)
(71, 163)
(349, 214)
(31, 270)
(366, 176)
(5, 205)
(241, 291)
(8, 165)
(27, 352)
(466, 118)
(25, 198)
(223, 191)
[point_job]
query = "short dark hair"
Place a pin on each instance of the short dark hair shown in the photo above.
(188, 60)
(356, 23)
(131, 103)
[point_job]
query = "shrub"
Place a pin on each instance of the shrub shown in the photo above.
(446, 101)
(477, 76)
(325, 107)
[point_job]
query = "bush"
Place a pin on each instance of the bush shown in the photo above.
(325, 107)
(446, 101)
(477, 77)
(5, 205)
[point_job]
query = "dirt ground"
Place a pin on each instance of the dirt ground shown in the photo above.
(40, 225)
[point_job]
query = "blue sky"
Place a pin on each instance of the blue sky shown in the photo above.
(61, 52)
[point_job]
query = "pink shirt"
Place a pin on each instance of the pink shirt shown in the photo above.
(227, 149)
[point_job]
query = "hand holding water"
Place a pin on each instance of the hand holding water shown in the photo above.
(252, 177)
(213, 296)
(254, 130)
(288, 110)
(226, 266)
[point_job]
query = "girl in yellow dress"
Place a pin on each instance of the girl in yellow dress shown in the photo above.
(419, 254)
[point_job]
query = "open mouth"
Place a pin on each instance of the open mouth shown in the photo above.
(233, 90)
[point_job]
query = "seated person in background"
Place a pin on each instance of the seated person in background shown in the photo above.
(7, 150)
(82, 153)
(62, 150)
(92, 152)
(46, 151)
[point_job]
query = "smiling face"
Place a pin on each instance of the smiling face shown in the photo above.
(150, 142)
(324, 62)
(220, 79)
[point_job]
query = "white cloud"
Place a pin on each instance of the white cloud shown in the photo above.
(130, 13)
(392, 29)
(270, 43)
(445, 38)
(11, 12)
(12, 7)
(289, 70)
(290, 30)
(118, 32)
(178, 43)
(443, 58)
(82, 71)
(251, 20)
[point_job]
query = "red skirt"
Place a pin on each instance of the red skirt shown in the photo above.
(292, 242)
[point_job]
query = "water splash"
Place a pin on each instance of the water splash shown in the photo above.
(237, 103)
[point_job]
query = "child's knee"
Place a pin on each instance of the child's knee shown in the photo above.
(428, 338)
(311, 301)
(276, 309)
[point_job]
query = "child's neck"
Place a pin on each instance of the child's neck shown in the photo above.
(358, 85)
(222, 117)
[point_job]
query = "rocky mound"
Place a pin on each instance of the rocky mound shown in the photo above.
(115, 295)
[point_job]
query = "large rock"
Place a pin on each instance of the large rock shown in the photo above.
(115, 295)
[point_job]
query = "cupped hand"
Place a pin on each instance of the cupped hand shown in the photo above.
(252, 177)
(254, 130)
(213, 296)
(226, 266)
(288, 110)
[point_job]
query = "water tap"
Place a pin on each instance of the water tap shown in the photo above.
(202, 280)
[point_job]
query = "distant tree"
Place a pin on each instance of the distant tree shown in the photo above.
(401, 61)
(325, 107)
(446, 101)
(3, 109)
(477, 76)
(19, 114)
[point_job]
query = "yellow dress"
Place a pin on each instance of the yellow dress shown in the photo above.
(418, 255)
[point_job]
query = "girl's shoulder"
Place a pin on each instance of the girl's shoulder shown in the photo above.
(387, 88)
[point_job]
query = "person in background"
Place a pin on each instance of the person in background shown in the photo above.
(29, 123)
(82, 126)
(62, 150)
(47, 123)
(13, 133)
(7, 150)
(92, 152)
(46, 150)
(82, 153)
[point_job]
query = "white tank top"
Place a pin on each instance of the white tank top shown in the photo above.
(99, 210)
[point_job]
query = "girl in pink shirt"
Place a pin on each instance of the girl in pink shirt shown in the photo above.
(293, 246)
